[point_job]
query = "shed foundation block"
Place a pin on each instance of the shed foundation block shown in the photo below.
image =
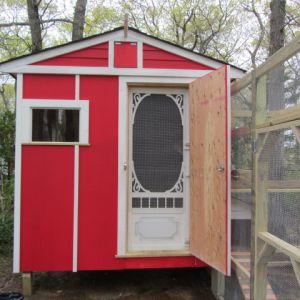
(27, 284)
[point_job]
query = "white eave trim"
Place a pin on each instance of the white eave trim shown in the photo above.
(113, 71)
(21, 65)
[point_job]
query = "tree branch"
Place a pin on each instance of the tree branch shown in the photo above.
(42, 22)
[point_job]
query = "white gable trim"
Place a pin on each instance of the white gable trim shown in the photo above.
(21, 65)
(51, 53)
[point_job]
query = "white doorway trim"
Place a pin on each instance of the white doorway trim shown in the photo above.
(124, 83)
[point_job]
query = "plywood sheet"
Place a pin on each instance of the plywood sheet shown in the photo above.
(209, 187)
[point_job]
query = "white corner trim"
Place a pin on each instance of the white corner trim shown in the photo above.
(26, 110)
(17, 186)
(75, 214)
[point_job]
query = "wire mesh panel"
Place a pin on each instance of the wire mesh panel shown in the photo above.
(283, 84)
(279, 172)
(238, 285)
(157, 143)
(282, 282)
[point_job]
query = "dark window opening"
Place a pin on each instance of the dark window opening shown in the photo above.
(55, 125)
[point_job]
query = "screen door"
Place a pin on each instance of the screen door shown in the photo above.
(158, 146)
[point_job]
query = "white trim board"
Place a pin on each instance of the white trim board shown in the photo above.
(109, 71)
(26, 110)
(76, 205)
(17, 186)
(19, 65)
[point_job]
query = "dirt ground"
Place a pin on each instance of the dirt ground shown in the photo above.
(166, 284)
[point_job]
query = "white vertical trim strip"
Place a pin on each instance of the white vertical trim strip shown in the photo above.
(122, 159)
(111, 51)
(139, 55)
(228, 69)
(17, 187)
(77, 87)
(75, 215)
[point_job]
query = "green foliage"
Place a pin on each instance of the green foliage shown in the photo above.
(7, 136)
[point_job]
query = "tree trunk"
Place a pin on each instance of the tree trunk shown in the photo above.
(35, 24)
(277, 22)
(79, 19)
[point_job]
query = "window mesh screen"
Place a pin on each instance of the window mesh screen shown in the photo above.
(157, 143)
(55, 125)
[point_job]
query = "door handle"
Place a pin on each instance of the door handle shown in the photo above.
(220, 168)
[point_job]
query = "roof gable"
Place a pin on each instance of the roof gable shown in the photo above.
(98, 51)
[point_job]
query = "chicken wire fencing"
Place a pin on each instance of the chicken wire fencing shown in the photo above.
(279, 172)
(237, 286)
(266, 212)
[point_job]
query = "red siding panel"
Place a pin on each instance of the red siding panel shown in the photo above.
(125, 55)
(95, 56)
(157, 58)
(47, 208)
(37, 86)
(98, 183)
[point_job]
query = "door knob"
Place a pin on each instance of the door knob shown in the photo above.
(220, 168)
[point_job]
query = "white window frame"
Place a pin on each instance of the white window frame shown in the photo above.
(28, 105)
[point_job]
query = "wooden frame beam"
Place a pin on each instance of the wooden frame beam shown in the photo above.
(296, 131)
(296, 267)
(282, 246)
(239, 268)
(277, 58)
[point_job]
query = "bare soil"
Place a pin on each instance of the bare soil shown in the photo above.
(161, 284)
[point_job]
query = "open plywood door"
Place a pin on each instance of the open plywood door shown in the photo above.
(210, 169)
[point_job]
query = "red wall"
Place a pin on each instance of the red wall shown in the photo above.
(157, 58)
(37, 86)
(47, 208)
(47, 189)
(95, 56)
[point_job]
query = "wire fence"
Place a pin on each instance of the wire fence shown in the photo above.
(266, 180)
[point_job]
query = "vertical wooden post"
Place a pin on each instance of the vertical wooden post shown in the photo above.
(253, 185)
(27, 284)
(217, 284)
(260, 194)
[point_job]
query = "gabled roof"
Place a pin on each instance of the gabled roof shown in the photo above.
(12, 65)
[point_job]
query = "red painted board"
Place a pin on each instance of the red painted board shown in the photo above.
(157, 58)
(125, 55)
(98, 178)
(47, 208)
(163, 262)
(38, 86)
(95, 56)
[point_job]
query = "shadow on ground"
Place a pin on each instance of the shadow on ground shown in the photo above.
(159, 284)
(166, 284)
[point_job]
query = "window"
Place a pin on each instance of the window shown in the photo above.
(54, 121)
(55, 125)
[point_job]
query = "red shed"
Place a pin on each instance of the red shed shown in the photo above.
(122, 156)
